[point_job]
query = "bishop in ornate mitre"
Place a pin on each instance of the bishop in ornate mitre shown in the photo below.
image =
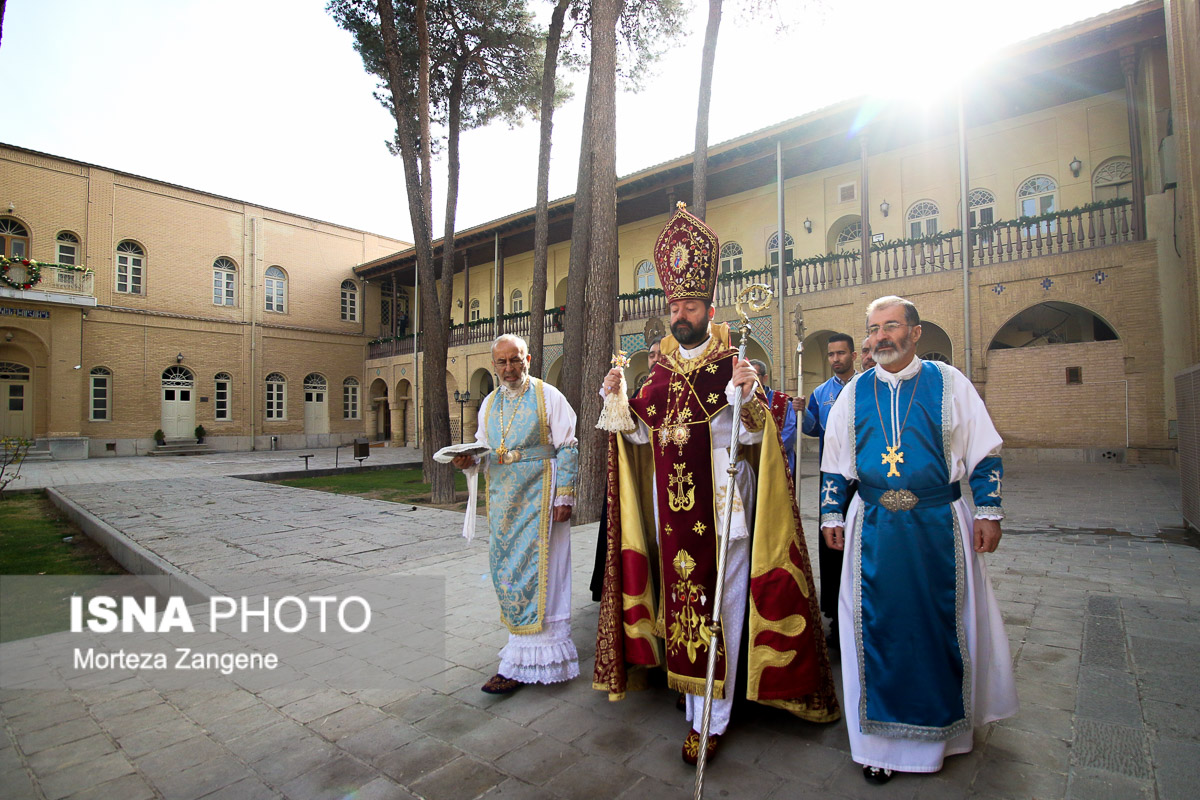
(668, 480)
(928, 657)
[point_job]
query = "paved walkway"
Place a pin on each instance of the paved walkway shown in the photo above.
(1099, 590)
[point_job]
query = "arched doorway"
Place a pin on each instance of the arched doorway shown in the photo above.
(379, 422)
(16, 397)
(815, 360)
(178, 403)
(316, 406)
(935, 343)
(1056, 378)
(560, 293)
(554, 372)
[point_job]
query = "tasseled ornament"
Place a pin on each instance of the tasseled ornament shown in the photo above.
(615, 416)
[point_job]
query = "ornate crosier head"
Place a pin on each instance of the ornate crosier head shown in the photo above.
(754, 298)
(621, 359)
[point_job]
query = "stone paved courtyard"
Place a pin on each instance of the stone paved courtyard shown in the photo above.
(1098, 586)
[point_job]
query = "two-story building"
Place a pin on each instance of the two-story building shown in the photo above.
(1075, 311)
(150, 307)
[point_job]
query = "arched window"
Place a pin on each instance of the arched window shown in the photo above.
(276, 396)
(350, 398)
(981, 204)
(14, 239)
(1036, 196)
(922, 219)
(849, 238)
(224, 282)
(131, 268)
(67, 248)
(222, 388)
(349, 301)
(1112, 180)
(645, 275)
(789, 246)
(516, 302)
(101, 395)
(731, 257)
(275, 291)
(475, 309)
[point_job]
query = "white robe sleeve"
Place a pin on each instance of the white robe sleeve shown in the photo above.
(838, 456)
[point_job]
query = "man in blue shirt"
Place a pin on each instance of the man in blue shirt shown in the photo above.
(787, 431)
(841, 353)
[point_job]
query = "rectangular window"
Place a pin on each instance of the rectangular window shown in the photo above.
(1074, 375)
(66, 253)
(274, 295)
(222, 287)
(276, 402)
(349, 306)
(129, 274)
(99, 410)
(349, 402)
(221, 401)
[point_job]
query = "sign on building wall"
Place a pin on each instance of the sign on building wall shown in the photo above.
(28, 313)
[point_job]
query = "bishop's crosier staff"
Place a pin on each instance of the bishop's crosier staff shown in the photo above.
(757, 297)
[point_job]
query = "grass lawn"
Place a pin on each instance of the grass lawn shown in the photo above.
(35, 540)
(403, 486)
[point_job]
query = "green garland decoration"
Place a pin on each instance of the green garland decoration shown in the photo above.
(33, 272)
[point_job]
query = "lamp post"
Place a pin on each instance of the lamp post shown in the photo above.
(462, 400)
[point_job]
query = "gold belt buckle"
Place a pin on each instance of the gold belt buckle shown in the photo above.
(510, 457)
(898, 500)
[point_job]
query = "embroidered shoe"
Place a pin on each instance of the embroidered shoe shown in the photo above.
(498, 684)
(877, 775)
(691, 747)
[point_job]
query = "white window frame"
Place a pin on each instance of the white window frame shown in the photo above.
(1115, 175)
(516, 302)
(732, 256)
(222, 397)
(981, 208)
(849, 241)
(100, 378)
(67, 248)
(14, 238)
(131, 268)
(349, 301)
(350, 388)
(789, 248)
(275, 290)
(224, 282)
(922, 219)
(475, 309)
(275, 407)
(644, 274)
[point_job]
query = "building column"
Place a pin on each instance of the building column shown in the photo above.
(865, 211)
(499, 304)
(399, 437)
(1129, 66)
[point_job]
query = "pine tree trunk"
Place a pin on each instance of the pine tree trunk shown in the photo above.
(576, 321)
(409, 121)
(601, 296)
(541, 224)
(700, 157)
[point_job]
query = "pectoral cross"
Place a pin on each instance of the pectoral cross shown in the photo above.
(892, 459)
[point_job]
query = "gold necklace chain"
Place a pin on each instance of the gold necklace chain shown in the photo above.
(892, 457)
(504, 429)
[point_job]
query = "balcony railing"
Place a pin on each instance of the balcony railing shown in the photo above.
(53, 278)
(1083, 228)
(479, 332)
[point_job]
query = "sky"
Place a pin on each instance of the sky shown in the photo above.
(265, 101)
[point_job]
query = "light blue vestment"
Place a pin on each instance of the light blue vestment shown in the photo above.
(520, 500)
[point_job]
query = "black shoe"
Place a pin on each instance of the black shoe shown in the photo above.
(877, 775)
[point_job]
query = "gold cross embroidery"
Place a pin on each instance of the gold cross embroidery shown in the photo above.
(700, 528)
(712, 398)
(677, 499)
(650, 411)
(892, 459)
